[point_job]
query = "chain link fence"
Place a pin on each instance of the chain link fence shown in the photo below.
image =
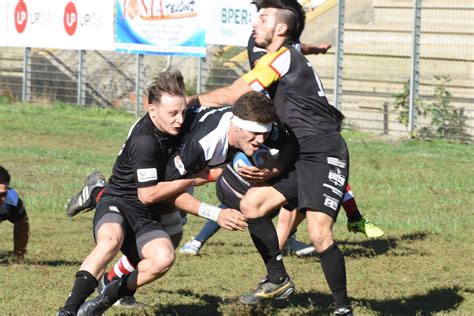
(376, 52)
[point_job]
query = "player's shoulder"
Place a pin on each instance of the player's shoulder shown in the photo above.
(12, 197)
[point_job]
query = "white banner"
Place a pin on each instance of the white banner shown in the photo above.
(229, 22)
(65, 24)
(3, 22)
(171, 27)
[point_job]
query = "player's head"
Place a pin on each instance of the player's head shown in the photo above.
(167, 102)
(4, 183)
(279, 18)
(252, 121)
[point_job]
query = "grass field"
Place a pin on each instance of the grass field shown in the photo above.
(420, 193)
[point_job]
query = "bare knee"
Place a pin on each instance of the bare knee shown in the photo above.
(321, 237)
(162, 262)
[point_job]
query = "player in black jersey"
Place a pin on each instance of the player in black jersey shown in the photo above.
(215, 135)
(319, 178)
(122, 220)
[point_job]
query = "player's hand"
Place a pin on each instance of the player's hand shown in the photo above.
(324, 47)
(255, 174)
(201, 177)
(231, 219)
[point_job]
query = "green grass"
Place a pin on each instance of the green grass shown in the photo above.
(420, 193)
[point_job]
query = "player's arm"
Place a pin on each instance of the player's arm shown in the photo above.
(151, 187)
(268, 70)
(226, 218)
(224, 96)
(308, 49)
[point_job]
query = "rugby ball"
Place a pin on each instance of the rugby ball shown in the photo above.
(258, 159)
(240, 160)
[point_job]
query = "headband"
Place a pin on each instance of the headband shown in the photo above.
(251, 125)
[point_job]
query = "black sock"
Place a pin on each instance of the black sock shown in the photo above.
(94, 195)
(123, 289)
(265, 239)
(84, 285)
(334, 268)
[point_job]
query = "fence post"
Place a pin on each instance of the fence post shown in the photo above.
(385, 118)
(138, 83)
(81, 79)
(199, 76)
(26, 85)
(415, 67)
(339, 54)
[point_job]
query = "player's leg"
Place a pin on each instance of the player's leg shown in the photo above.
(157, 255)
(87, 198)
(331, 258)
(256, 204)
(287, 223)
(356, 222)
(322, 180)
(109, 232)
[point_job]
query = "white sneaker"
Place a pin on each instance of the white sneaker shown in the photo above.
(297, 248)
(191, 248)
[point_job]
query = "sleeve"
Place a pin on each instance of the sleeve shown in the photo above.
(15, 211)
(188, 159)
(145, 160)
(268, 70)
(277, 138)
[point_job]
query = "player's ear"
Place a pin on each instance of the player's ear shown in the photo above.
(281, 29)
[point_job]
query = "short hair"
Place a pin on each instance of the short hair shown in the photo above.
(292, 14)
(255, 106)
(167, 82)
(4, 176)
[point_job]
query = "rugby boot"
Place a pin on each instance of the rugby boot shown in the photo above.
(82, 200)
(269, 291)
(98, 305)
(346, 311)
(294, 247)
(126, 301)
(191, 248)
(365, 227)
(65, 312)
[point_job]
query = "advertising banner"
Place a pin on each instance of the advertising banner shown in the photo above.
(169, 27)
(64, 24)
(3, 22)
(229, 22)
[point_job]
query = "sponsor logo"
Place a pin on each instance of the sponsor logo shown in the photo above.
(178, 163)
(333, 189)
(336, 177)
(21, 16)
(330, 202)
(278, 258)
(70, 18)
(147, 174)
(336, 162)
(114, 209)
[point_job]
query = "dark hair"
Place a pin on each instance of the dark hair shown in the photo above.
(167, 82)
(292, 14)
(254, 106)
(4, 176)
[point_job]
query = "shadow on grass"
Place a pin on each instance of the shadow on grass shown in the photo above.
(7, 258)
(375, 247)
(315, 303)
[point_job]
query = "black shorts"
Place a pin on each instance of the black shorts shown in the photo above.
(145, 228)
(319, 179)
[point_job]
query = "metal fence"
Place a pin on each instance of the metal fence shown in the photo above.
(398, 71)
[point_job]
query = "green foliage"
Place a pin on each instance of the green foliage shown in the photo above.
(402, 104)
(420, 193)
(447, 121)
